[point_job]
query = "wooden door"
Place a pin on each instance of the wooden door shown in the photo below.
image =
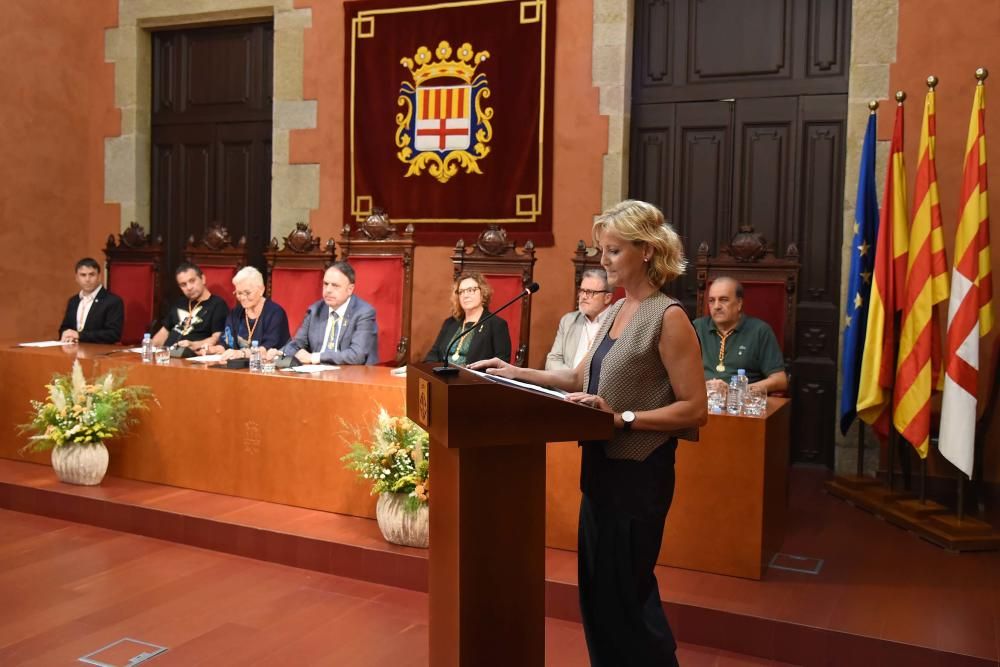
(738, 117)
(211, 137)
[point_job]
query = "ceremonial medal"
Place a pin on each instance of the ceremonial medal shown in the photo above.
(720, 367)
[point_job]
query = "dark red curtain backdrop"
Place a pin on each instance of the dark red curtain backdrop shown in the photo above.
(519, 74)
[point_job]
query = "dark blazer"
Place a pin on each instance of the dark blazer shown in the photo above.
(270, 331)
(491, 339)
(358, 342)
(104, 321)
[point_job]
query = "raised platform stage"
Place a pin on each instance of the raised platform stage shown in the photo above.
(880, 597)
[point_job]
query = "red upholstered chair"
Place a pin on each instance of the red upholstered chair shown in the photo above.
(770, 284)
(383, 263)
(588, 257)
(218, 259)
(133, 266)
(509, 270)
(295, 273)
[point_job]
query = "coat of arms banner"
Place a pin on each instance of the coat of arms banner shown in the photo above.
(449, 115)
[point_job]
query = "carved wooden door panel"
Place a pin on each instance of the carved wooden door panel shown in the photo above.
(211, 137)
(738, 117)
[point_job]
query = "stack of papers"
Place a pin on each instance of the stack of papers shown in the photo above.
(311, 368)
(44, 343)
(205, 358)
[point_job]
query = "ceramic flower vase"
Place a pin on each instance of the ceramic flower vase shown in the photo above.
(400, 525)
(80, 464)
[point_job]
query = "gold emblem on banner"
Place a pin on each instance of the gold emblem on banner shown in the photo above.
(444, 126)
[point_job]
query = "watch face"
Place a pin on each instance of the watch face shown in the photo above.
(628, 416)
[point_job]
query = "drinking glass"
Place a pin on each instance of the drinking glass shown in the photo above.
(162, 356)
(267, 365)
(716, 399)
(755, 402)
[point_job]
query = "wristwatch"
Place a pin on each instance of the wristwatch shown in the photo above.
(628, 418)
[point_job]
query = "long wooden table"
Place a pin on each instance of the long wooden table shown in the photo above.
(280, 438)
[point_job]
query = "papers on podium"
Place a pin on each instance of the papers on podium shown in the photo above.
(555, 393)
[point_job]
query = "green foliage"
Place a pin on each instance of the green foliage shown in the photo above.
(78, 412)
(395, 460)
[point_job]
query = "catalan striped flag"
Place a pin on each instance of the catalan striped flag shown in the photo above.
(918, 367)
(970, 309)
(859, 280)
(878, 363)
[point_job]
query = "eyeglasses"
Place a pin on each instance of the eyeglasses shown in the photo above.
(244, 293)
(467, 290)
(591, 293)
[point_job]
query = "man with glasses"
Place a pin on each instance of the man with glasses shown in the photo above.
(338, 329)
(577, 329)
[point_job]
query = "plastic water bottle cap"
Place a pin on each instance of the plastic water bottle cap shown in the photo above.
(741, 371)
(145, 336)
(256, 343)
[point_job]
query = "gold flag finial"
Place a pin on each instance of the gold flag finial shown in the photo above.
(900, 96)
(932, 81)
(873, 105)
(981, 74)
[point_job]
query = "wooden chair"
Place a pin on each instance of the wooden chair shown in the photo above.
(509, 270)
(133, 268)
(218, 259)
(295, 273)
(770, 284)
(383, 261)
(588, 257)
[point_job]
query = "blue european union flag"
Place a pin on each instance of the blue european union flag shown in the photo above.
(859, 281)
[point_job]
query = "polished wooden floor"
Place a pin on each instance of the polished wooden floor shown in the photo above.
(69, 589)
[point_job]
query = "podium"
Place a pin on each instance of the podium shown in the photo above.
(487, 518)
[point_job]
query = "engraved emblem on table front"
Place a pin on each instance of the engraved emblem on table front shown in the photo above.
(251, 437)
(423, 402)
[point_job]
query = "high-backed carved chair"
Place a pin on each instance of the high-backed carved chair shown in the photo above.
(383, 261)
(509, 270)
(588, 257)
(295, 273)
(133, 266)
(770, 284)
(218, 259)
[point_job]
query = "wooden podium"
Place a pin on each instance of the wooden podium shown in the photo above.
(487, 519)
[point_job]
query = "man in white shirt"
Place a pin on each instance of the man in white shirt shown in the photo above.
(94, 315)
(338, 329)
(578, 329)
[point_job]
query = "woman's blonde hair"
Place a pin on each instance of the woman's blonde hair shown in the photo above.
(484, 290)
(642, 223)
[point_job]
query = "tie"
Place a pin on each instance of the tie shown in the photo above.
(333, 330)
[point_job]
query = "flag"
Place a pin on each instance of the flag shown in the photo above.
(918, 366)
(970, 309)
(859, 281)
(878, 364)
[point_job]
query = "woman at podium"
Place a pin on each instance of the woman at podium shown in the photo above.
(644, 366)
(470, 303)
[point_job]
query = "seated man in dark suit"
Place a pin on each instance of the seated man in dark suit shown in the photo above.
(339, 329)
(731, 340)
(95, 315)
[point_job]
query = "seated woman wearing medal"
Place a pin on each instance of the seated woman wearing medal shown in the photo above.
(254, 318)
(470, 301)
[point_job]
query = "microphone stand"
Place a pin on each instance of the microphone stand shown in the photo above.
(448, 369)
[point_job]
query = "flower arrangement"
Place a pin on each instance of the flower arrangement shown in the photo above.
(396, 460)
(82, 413)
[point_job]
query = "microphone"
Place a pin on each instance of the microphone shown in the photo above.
(447, 369)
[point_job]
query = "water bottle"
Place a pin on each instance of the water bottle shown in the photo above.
(255, 357)
(147, 349)
(737, 387)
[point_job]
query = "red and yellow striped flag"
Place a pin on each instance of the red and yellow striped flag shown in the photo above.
(918, 367)
(970, 309)
(878, 363)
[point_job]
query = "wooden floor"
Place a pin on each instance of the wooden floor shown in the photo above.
(70, 589)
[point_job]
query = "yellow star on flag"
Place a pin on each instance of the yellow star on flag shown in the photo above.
(866, 276)
(863, 248)
(858, 300)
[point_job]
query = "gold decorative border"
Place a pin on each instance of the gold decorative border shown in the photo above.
(368, 18)
(526, 205)
(364, 27)
(363, 207)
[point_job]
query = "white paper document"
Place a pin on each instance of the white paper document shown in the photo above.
(517, 383)
(205, 359)
(311, 368)
(44, 343)
(137, 350)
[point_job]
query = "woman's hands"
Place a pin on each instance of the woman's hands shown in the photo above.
(591, 400)
(496, 366)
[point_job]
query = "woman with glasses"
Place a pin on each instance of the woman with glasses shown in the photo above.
(645, 368)
(254, 318)
(470, 301)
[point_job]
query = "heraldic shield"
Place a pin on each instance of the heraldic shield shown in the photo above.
(444, 126)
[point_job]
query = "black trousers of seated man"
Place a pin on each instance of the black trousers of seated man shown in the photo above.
(624, 506)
